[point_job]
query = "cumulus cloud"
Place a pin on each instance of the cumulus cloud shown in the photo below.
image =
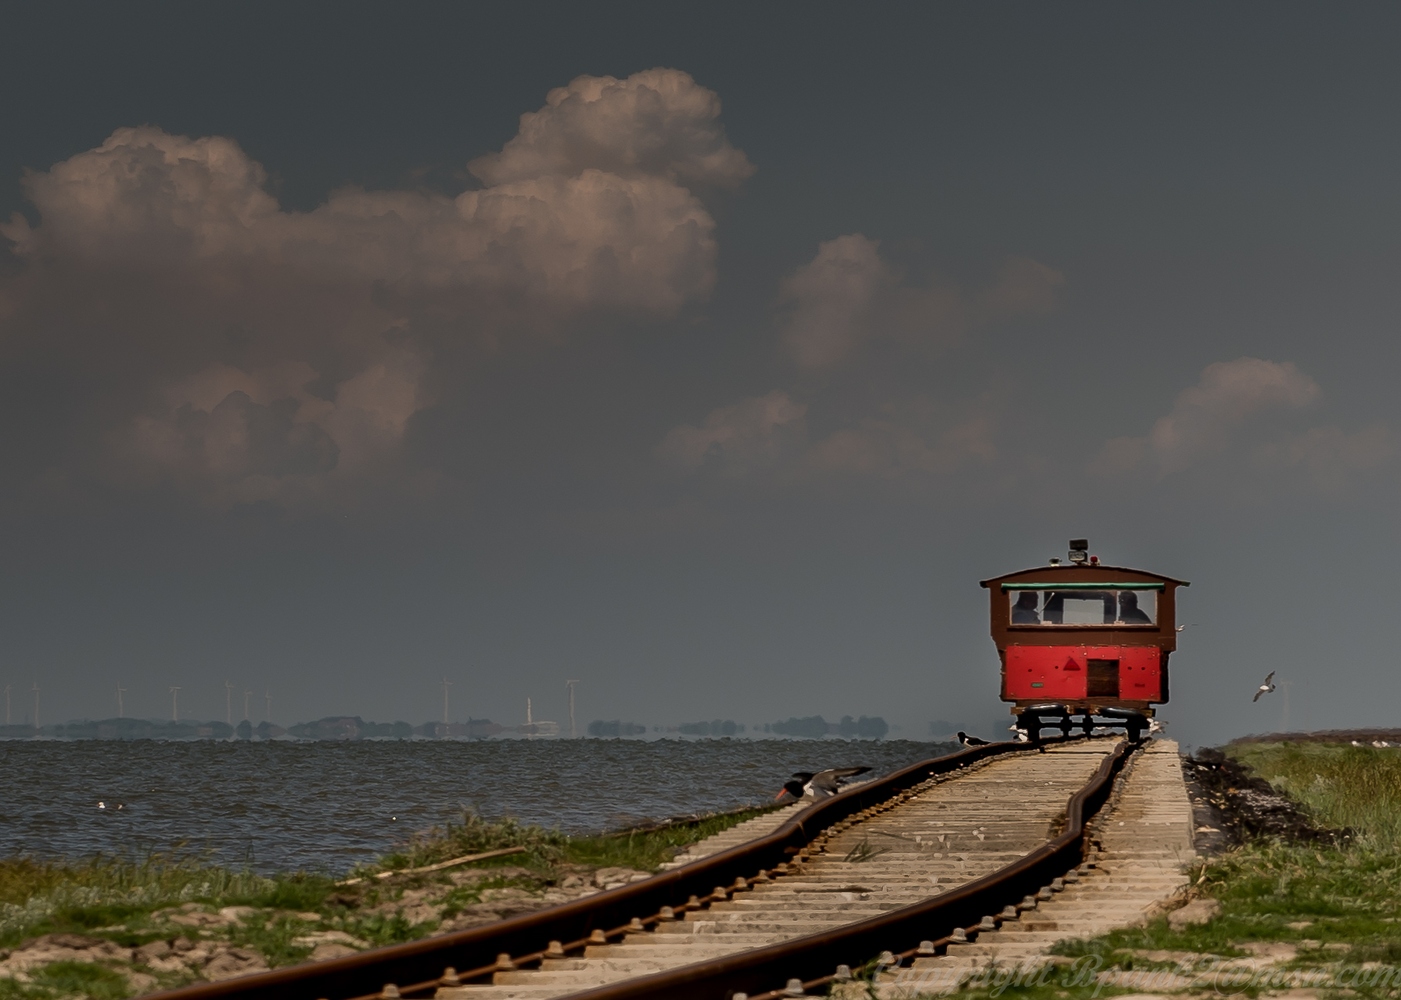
(889, 448)
(753, 433)
(1330, 458)
(321, 328)
(848, 294)
(769, 435)
(654, 123)
(1206, 418)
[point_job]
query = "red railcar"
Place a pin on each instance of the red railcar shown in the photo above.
(1080, 639)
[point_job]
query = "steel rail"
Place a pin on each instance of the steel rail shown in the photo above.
(817, 960)
(422, 966)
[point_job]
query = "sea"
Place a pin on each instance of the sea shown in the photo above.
(284, 806)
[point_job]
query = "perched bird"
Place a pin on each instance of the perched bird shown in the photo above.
(819, 785)
(1154, 726)
(971, 741)
(1266, 687)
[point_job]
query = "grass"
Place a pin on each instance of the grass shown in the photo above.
(1340, 784)
(68, 979)
(549, 850)
(38, 897)
(117, 898)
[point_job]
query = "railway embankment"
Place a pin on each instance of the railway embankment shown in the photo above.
(1302, 897)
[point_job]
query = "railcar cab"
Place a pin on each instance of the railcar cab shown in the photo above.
(1081, 639)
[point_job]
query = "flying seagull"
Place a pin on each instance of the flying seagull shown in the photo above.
(1266, 687)
(970, 741)
(819, 785)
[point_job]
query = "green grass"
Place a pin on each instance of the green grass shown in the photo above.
(114, 898)
(1340, 784)
(648, 850)
(68, 979)
(38, 897)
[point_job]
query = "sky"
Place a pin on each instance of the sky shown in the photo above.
(706, 354)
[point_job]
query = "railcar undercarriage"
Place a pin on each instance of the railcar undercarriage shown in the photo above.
(1066, 719)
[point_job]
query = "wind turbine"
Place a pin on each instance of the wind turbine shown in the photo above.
(268, 695)
(175, 704)
(573, 733)
(120, 691)
(228, 703)
(246, 695)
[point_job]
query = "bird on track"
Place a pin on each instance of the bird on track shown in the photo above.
(1154, 726)
(1266, 687)
(971, 741)
(819, 785)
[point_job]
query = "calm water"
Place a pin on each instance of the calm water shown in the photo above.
(283, 806)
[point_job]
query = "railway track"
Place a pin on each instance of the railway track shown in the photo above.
(906, 866)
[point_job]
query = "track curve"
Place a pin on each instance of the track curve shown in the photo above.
(882, 867)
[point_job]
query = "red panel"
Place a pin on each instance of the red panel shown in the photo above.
(1140, 673)
(1057, 673)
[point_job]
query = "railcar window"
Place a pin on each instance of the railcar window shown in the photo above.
(1083, 607)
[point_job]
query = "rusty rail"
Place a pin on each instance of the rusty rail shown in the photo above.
(419, 967)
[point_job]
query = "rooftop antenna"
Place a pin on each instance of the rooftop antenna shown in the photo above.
(446, 684)
(228, 703)
(120, 691)
(246, 695)
(175, 704)
(573, 733)
(36, 706)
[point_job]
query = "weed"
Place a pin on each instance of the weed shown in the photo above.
(863, 852)
(83, 979)
(1342, 785)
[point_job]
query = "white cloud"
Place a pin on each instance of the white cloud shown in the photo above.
(769, 435)
(224, 309)
(1206, 418)
(657, 123)
(1332, 459)
(889, 449)
(1236, 413)
(848, 294)
(750, 434)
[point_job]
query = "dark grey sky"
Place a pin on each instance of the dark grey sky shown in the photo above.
(716, 385)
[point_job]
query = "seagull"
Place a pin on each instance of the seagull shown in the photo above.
(971, 741)
(1266, 687)
(1154, 726)
(1179, 628)
(820, 785)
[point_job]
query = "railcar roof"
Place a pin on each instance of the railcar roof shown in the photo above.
(1083, 573)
